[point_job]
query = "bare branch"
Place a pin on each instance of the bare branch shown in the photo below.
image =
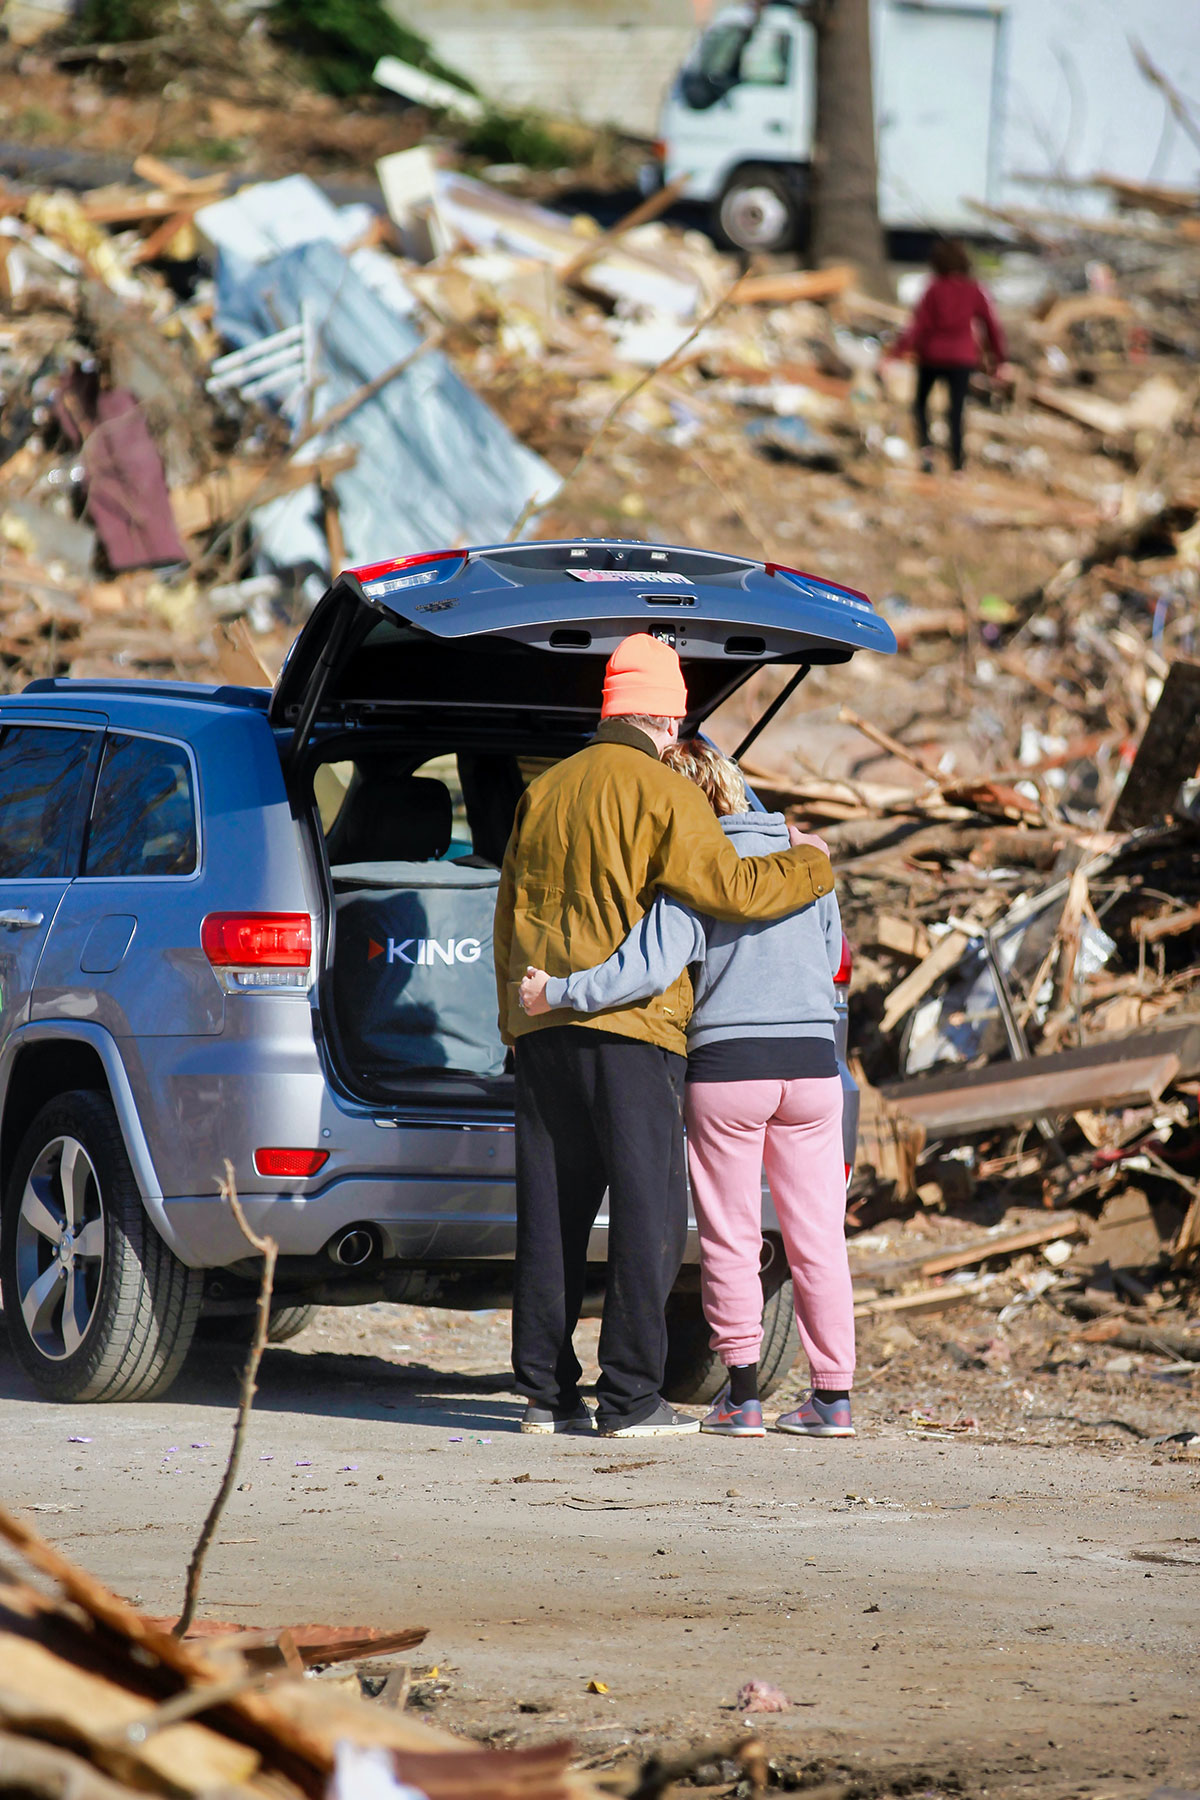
(268, 1249)
(532, 505)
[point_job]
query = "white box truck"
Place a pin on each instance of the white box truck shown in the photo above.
(739, 117)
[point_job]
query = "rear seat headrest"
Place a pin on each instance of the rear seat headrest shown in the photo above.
(393, 819)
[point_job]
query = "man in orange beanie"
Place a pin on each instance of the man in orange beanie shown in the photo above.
(599, 1099)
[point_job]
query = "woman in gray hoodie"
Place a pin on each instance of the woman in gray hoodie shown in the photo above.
(763, 1091)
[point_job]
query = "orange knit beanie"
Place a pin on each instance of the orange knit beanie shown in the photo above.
(644, 676)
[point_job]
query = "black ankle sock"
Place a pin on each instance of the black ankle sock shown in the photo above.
(825, 1395)
(743, 1383)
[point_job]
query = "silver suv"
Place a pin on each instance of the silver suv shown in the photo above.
(257, 926)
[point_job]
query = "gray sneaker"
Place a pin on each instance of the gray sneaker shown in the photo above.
(664, 1421)
(546, 1420)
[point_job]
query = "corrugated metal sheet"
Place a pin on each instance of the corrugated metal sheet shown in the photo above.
(436, 467)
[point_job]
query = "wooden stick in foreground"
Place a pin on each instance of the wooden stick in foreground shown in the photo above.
(269, 1250)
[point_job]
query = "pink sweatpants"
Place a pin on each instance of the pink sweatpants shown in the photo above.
(793, 1130)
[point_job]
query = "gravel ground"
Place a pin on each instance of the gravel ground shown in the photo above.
(1002, 1609)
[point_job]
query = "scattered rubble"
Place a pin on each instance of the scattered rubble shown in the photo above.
(97, 1700)
(214, 396)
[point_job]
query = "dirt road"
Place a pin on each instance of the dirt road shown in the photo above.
(946, 1615)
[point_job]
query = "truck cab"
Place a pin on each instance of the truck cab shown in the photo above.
(739, 118)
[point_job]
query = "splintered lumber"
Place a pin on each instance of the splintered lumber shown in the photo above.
(796, 284)
(647, 209)
(160, 174)
(1007, 1243)
(1186, 1247)
(928, 1299)
(1115, 1073)
(47, 1696)
(31, 1768)
(317, 1646)
(203, 505)
(1104, 416)
(904, 937)
(1172, 925)
(946, 953)
(1168, 754)
(1161, 1340)
(92, 1694)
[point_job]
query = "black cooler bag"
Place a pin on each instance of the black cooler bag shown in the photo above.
(415, 984)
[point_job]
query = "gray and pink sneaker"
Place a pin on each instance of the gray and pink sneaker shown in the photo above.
(818, 1418)
(726, 1420)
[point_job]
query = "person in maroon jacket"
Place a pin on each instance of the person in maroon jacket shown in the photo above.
(951, 325)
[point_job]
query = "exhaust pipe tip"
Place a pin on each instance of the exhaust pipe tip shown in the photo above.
(353, 1247)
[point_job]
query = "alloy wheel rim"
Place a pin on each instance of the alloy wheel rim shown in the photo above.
(60, 1248)
(754, 217)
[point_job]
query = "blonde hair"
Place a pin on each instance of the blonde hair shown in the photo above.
(719, 780)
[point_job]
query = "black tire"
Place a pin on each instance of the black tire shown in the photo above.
(760, 211)
(288, 1322)
(695, 1374)
(135, 1304)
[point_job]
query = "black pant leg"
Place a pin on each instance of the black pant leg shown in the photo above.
(926, 376)
(639, 1119)
(957, 382)
(561, 1175)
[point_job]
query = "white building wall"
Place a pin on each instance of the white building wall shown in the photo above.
(601, 62)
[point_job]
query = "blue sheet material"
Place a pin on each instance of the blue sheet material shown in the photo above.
(436, 467)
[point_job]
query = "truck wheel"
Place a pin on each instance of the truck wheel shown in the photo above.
(288, 1322)
(760, 210)
(97, 1306)
(695, 1374)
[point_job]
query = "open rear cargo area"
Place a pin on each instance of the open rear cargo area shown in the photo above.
(412, 847)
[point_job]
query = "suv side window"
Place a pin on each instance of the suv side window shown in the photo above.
(144, 814)
(43, 779)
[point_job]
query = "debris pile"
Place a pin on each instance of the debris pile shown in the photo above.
(216, 396)
(97, 1700)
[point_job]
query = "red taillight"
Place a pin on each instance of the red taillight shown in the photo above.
(846, 967)
(257, 940)
(839, 587)
(371, 571)
(289, 1162)
(658, 150)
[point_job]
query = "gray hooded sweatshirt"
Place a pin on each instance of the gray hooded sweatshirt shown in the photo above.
(772, 980)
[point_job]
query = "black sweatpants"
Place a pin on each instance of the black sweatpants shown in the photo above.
(595, 1110)
(957, 377)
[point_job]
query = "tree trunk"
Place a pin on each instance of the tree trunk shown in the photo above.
(846, 224)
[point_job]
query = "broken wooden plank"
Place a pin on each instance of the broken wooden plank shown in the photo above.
(1038, 1089)
(161, 239)
(29, 1768)
(794, 284)
(1168, 754)
(928, 1299)
(1170, 925)
(945, 955)
(642, 213)
(219, 496)
(1007, 1243)
(903, 937)
(1107, 417)
(316, 1646)
(44, 1695)
(159, 174)
(1160, 1340)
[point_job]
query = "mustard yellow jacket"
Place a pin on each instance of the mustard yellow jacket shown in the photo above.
(593, 840)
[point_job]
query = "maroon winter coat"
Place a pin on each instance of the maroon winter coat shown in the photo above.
(943, 329)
